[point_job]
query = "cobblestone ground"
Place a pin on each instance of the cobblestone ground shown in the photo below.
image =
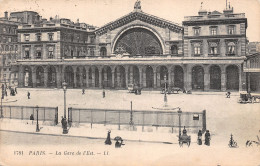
(224, 116)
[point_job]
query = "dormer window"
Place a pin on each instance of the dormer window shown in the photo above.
(196, 31)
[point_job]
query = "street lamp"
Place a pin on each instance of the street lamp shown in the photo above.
(165, 96)
(37, 124)
(2, 97)
(131, 116)
(64, 121)
(179, 114)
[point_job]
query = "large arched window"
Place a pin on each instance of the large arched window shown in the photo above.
(138, 41)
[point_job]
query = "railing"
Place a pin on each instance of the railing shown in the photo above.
(24, 113)
(191, 120)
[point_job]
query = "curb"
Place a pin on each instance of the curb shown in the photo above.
(103, 138)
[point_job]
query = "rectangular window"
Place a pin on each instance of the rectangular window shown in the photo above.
(213, 31)
(197, 48)
(91, 52)
(50, 53)
(39, 37)
(27, 37)
(38, 53)
(231, 49)
(213, 48)
(92, 39)
(196, 31)
(10, 39)
(4, 29)
(27, 54)
(231, 30)
(51, 36)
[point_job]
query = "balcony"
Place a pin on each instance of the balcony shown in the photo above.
(231, 54)
(213, 55)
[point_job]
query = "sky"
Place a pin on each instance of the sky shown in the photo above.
(100, 12)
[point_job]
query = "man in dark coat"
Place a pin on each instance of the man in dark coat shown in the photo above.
(28, 95)
(108, 140)
(207, 138)
(199, 137)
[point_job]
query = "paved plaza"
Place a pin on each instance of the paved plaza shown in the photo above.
(224, 116)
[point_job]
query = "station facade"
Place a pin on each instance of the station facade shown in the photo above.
(205, 53)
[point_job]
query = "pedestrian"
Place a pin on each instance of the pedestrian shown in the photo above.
(31, 118)
(5, 92)
(28, 95)
(83, 91)
(199, 137)
(228, 94)
(207, 138)
(108, 140)
(104, 93)
(15, 89)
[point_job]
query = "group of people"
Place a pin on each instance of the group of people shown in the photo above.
(207, 138)
(117, 144)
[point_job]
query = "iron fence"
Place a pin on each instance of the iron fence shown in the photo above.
(196, 120)
(24, 113)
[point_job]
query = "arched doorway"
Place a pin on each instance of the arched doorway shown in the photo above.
(197, 78)
(178, 77)
(149, 77)
(215, 77)
(39, 76)
(163, 75)
(232, 77)
(69, 76)
(96, 77)
(90, 77)
(52, 76)
(78, 83)
(107, 77)
(27, 76)
(120, 77)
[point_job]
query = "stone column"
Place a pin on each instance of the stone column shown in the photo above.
(45, 76)
(248, 82)
(140, 76)
(87, 76)
(118, 78)
(58, 76)
(100, 77)
(144, 79)
(21, 77)
(158, 79)
(113, 78)
(223, 78)
(81, 77)
(75, 78)
(105, 77)
(93, 76)
(206, 78)
(169, 76)
(32, 55)
(187, 77)
(154, 79)
(126, 76)
(33, 76)
(240, 78)
(131, 74)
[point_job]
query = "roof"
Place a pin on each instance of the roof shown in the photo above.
(139, 15)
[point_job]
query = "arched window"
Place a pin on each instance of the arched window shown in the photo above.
(231, 48)
(174, 50)
(213, 48)
(197, 51)
(103, 51)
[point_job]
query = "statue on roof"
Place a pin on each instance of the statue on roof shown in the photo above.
(137, 4)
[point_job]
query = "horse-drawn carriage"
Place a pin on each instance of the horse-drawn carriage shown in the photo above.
(133, 88)
(170, 89)
(248, 98)
(184, 138)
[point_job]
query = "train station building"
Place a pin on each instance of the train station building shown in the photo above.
(206, 52)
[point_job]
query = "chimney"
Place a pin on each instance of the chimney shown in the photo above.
(6, 15)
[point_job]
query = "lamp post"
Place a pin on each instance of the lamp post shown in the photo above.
(2, 97)
(165, 96)
(179, 114)
(64, 121)
(131, 116)
(37, 123)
